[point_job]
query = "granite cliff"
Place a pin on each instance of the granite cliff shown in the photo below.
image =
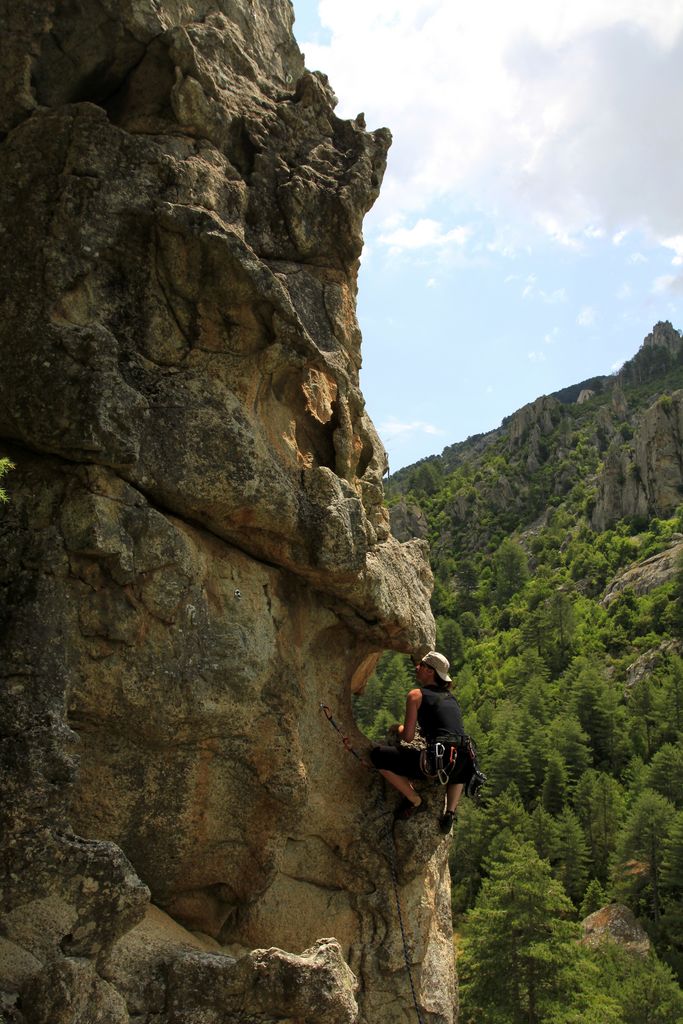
(196, 552)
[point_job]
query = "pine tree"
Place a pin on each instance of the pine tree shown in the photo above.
(640, 853)
(597, 709)
(543, 832)
(367, 704)
(594, 899)
(644, 987)
(671, 932)
(599, 803)
(554, 784)
(665, 773)
(511, 569)
(568, 738)
(520, 921)
(506, 821)
(672, 864)
(379, 728)
(571, 855)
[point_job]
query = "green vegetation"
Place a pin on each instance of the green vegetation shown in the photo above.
(576, 706)
(5, 466)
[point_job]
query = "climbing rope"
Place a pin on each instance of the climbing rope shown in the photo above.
(404, 937)
(392, 856)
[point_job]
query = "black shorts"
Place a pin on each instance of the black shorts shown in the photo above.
(406, 761)
(399, 760)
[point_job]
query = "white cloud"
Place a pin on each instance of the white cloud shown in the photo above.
(675, 243)
(668, 283)
(624, 292)
(531, 291)
(559, 113)
(551, 337)
(425, 233)
(586, 317)
(663, 283)
(529, 287)
(536, 357)
(392, 428)
(431, 283)
(637, 257)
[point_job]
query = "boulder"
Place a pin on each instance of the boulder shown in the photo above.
(616, 923)
(646, 575)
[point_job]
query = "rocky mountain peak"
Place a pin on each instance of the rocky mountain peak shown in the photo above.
(663, 335)
(661, 350)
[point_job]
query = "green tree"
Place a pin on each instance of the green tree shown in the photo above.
(466, 855)
(640, 853)
(665, 773)
(508, 762)
(450, 641)
(511, 570)
(554, 784)
(378, 730)
(367, 704)
(599, 802)
(394, 698)
(520, 921)
(596, 706)
(543, 832)
(643, 987)
(561, 627)
(671, 934)
(572, 744)
(571, 855)
(672, 875)
(643, 711)
(594, 899)
(506, 822)
(672, 691)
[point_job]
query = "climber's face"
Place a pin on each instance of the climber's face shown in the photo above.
(424, 673)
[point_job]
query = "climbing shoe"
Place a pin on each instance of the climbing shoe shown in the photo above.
(446, 822)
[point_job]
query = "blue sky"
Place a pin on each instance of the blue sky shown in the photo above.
(529, 233)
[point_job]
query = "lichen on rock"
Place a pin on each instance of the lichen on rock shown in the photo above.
(196, 552)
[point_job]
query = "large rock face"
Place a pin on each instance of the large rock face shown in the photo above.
(195, 553)
(645, 478)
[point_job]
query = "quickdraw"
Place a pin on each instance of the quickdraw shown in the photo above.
(345, 739)
(432, 761)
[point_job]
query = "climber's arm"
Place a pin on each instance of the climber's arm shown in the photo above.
(406, 731)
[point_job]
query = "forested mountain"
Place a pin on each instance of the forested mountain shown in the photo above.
(557, 550)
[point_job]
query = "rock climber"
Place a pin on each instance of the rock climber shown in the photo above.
(433, 707)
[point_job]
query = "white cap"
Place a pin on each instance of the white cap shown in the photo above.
(440, 665)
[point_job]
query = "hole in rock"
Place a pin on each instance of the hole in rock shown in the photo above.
(382, 701)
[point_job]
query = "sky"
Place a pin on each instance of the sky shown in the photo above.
(529, 231)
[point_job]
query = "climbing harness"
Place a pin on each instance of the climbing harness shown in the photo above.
(386, 830)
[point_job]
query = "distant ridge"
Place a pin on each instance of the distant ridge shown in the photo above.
(569, 395)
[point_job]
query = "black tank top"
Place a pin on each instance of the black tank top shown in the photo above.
(439, 714)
